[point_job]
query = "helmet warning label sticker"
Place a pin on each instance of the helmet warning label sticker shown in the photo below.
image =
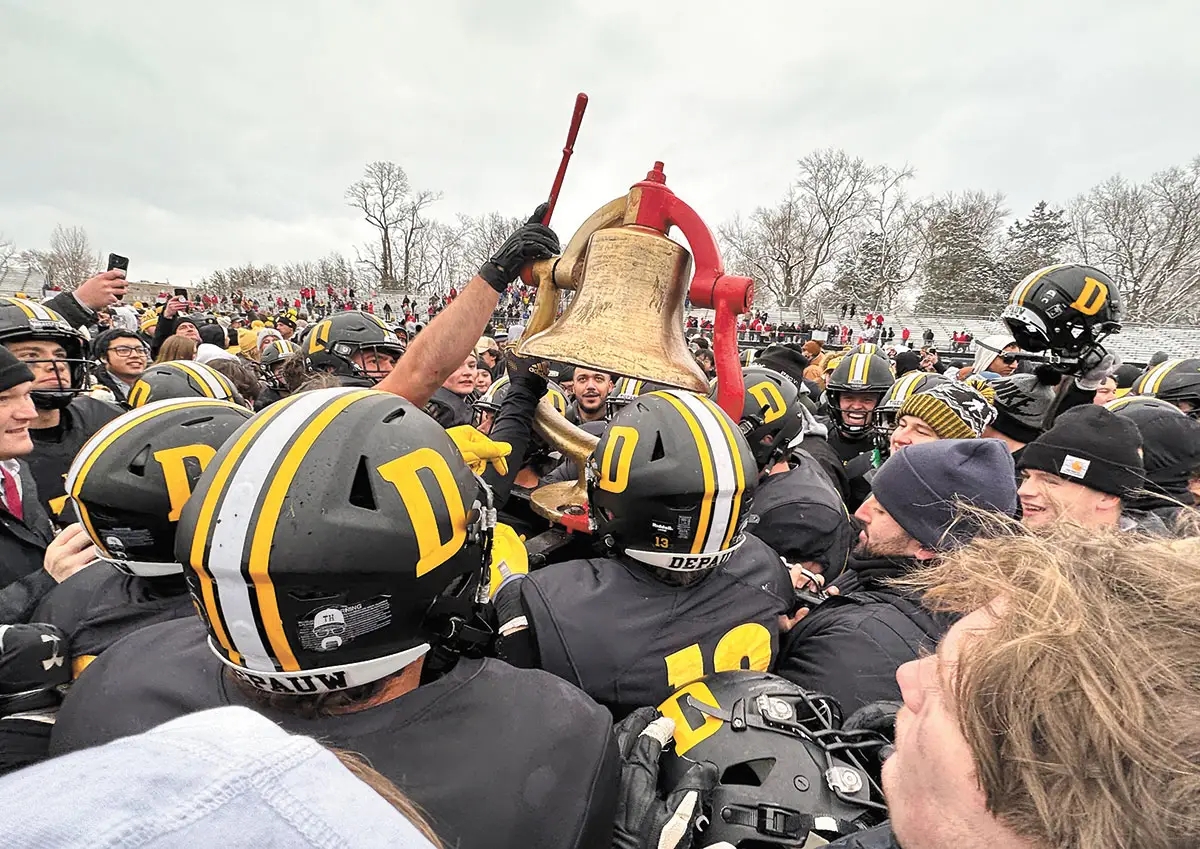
(330, 628)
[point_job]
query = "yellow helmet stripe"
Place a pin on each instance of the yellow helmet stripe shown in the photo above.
(724, 475)
(208, 510)
(1025, 286)
(904, 387)
(735, 509)
(1155, 378)
(101, 440)
(268, 517)
(22, 306)
(213, 384)
(706, 468)
(859, 366)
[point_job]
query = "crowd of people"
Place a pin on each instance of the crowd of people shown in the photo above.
(287, 576)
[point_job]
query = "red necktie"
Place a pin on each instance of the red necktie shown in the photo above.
(12, 495)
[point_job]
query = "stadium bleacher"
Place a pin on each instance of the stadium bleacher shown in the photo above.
(1136, 342)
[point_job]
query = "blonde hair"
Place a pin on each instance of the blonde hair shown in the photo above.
(177, 348)
(1081, 705)
(391, 794)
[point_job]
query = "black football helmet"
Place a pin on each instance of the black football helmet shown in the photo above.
(866, 348)
(333, 539)
(787, 769)
(1066, 308)
(771, 416)
(330, 345)
(24, 320)
(913, 383)
(858, 374)
(490, 401)
(625, 389)
(748, 356)
(671, 482)
(130, 481)
(181, 379)
(1174, 381)
(273, 356)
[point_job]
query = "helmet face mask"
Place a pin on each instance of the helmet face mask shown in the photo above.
(339, 343)
(786, 769)
(867, 376)
(45, 330)
(272, 359)
(1066, 308)
(771, 415)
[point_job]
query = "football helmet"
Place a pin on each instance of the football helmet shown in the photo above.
(333, 540)
(181, 379)
(625, 389)
(1066, 308)
(670, 483)
(23, 320)
(1174, 381)
(866, 348)
(490, 401)
(787, 769)
(913, 383)
(771, 415)
(748, 356)
(272, 356)
(331, 345)
(130, 481)
(858, 374)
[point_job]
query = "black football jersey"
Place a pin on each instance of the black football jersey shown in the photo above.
(99, 605)
(629, 640)
(494, 756)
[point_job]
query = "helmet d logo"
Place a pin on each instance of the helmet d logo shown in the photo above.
(1092, 298)
(179, 484)
(768, 396)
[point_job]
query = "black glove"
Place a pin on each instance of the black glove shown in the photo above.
(644, 820)
(879, 717)
(531, 241)
(524, 368)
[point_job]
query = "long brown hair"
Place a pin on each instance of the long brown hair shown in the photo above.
(1081, 705)
(176, 348)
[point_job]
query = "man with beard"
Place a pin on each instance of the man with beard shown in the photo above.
(851, 645)
(591, 390)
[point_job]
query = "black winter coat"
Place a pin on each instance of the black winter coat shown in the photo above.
(850, 646)
(23, 581)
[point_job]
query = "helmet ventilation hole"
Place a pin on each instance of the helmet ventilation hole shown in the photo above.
(361, 493)
(659, 451)
(137, 465)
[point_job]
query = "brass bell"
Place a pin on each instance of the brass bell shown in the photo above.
(626, 316)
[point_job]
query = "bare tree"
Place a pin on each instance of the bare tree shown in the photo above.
(1147, 237)
(788, 248)
(8, 252)
(69, 261)
(381, 195)
(887, 250)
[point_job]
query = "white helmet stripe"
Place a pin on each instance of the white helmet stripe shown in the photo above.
(232, 530)
(723, 471)
(40, 312)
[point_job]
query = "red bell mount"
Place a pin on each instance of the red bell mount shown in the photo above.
(711, 288)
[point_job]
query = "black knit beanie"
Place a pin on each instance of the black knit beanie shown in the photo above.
(1091, 446)
(788, 359)
(13, 372)
(1021, 403)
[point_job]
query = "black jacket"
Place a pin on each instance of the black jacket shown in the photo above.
(55, 447)
(851, 645)
(75, 313)
(880, 837)
(23, 581)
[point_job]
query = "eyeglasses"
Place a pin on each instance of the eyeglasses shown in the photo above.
(1009, 358)
(128, 350)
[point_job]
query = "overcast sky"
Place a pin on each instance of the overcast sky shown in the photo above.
(200, 135)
